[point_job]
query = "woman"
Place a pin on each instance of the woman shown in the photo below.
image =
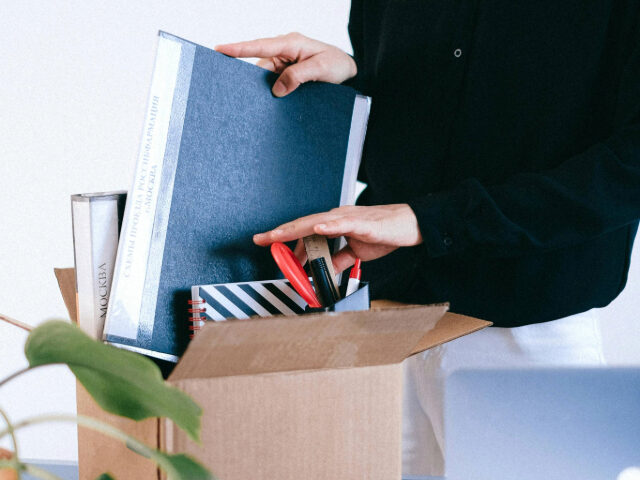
(503, 169)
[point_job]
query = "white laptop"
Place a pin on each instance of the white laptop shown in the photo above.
(543, 424)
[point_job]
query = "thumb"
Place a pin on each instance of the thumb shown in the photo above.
(296, 74)
(343, 259)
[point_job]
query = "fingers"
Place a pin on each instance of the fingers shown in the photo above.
(275, 64)
(300, 252)
(284, 233)
(295, 230)
(353, 227)
(335, 223)
(286, 45)
(299, 59)
(266, 63)
(306, 71)
(343, 259)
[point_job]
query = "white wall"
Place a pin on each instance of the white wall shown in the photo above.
(73, 85)
(74, 78)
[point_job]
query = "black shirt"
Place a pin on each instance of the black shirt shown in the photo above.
(512, 129)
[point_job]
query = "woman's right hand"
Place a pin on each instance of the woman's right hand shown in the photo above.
(298, 59)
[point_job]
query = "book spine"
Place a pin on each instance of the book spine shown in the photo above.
(105, 231)
(195, 309)
(242, 300)
(96, 222)
(123, 313)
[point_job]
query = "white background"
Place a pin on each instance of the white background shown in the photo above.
(74, 78)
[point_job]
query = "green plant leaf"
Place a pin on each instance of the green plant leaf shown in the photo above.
(182, 467)
(105, 476)
(120, 381)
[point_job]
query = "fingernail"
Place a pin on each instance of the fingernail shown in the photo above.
(258, 236)
(279, 89)
(321, 226)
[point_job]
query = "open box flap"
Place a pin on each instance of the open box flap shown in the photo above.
(449, 327)
(307, 342)
(381, 335)
(67, 282)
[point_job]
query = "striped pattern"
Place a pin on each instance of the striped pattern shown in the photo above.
(243, 300)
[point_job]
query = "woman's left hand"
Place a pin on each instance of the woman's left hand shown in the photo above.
(371, 232)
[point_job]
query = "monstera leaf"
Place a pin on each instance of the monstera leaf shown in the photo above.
(121, 382)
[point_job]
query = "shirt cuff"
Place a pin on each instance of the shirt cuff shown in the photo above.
(440, 218)
(354, 82)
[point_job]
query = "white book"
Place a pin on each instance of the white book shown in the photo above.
(96, 219)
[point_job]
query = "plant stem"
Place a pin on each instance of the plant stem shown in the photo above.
(97, 425)
(10, 430)
(16, 374)
(16, 323)
(88, 422)
(39, 472)
(8, 464)
(30, 469)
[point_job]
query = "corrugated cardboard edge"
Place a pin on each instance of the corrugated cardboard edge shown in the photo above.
(95, 449)
(67, 282)
(449, 327)
(307, 342)
(98, 451)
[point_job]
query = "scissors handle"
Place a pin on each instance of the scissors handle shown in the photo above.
(294, 272)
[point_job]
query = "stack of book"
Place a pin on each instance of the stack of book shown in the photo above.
(220, 159)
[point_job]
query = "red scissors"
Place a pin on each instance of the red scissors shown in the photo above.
(293, 270)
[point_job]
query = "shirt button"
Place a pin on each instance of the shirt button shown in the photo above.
(447, 241)
(457, 53)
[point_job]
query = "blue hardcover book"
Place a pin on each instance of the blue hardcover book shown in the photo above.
(221, 159)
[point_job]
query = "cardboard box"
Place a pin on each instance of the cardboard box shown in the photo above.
(317, 396)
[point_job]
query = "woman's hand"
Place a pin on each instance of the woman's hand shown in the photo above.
(298, 59)
(371, 232)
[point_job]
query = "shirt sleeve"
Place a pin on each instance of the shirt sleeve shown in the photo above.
(589, 194)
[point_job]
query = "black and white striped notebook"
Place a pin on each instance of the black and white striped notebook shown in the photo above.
(242, 300)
